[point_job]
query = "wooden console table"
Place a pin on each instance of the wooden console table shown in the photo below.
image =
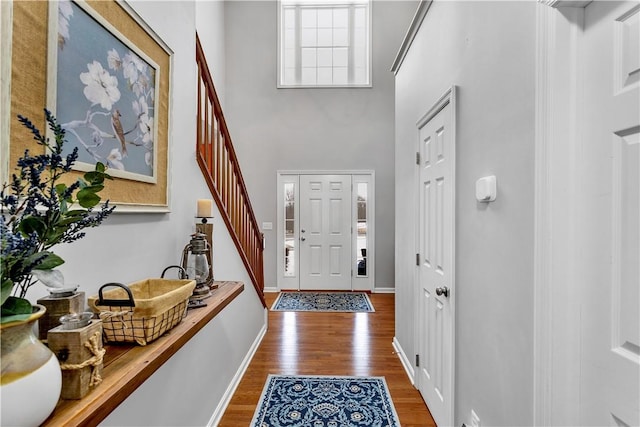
(126, 366)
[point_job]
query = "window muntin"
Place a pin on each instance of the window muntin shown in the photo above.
(324, 43)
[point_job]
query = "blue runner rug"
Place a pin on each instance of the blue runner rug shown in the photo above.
(323, 301)
(325, 401)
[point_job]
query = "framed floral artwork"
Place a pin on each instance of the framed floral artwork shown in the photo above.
(107, 88)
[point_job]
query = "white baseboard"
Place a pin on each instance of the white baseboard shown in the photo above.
(233, 385)
(408, 367)
(271, 289)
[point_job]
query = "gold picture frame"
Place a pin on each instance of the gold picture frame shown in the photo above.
(34, 72)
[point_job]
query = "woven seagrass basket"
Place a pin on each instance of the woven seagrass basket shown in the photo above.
(143, 311)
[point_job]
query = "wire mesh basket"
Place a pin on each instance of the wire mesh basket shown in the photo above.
(143, 311)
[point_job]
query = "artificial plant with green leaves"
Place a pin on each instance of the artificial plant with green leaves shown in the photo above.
(39, 210)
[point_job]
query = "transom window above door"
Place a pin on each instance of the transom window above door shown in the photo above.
(324, 43)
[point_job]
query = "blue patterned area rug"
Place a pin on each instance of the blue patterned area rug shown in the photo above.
(325, 401)
(323, 301)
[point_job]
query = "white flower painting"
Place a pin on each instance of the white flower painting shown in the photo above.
(105, 95)
(100, 86)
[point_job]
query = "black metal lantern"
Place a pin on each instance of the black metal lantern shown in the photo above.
(195, 261)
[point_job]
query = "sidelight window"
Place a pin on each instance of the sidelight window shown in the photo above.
(289, 229)
(361, 222)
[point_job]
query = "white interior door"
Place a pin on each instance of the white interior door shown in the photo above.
(436, 259)
(609, 216)
(325, 232)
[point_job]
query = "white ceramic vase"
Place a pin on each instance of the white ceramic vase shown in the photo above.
(31, 375)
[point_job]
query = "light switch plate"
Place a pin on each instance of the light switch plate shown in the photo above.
(267, 226)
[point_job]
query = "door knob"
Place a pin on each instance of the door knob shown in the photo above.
(303, 239)
(442, 291)
(302, 230)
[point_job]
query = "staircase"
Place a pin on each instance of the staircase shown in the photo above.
(219, 165)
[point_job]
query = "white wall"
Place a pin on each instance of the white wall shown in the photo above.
(210, 24)
(487, 49)
(302, 129)
(130, 247)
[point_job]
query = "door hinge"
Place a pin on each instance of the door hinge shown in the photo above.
(417, 360)
(418, 260)
(417, 157)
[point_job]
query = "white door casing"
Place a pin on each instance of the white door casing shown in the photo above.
(435, 259)
(325, 232)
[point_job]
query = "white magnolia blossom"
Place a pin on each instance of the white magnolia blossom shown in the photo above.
(65, 12)
(148, 158)
(113, 59)
(147, 135)
(140, 85)
(145, 121)
(135, 70)
(101, 87)
(114, 159)
(96, 137)
(129, 68)
(140, 107)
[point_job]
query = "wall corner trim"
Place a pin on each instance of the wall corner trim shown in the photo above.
(543, 308)
(408, 367)
(565, 3)
(416, 22)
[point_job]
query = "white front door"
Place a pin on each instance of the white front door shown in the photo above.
(609, 216)
(325, 232)
(435, 260)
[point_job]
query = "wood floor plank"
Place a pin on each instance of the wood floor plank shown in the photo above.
(303, 343)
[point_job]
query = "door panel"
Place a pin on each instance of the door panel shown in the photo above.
(337, 220)
(325, 232)
(439, 226)
(335, 265)
(609, 223)
(435, 270)
(626, 256)
(315, 257)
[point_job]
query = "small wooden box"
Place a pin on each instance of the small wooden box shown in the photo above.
(57, 307)
(69, 347)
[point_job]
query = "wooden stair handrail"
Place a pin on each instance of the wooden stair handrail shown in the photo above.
(221, 170)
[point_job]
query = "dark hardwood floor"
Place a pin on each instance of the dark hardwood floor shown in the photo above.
(299, 343)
